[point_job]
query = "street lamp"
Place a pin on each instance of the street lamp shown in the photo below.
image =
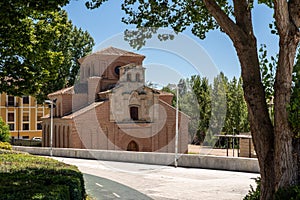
(52, 103)
(176, 132)
(176, 124)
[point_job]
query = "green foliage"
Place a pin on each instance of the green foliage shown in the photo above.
(194, 95)
(74, 43)
(294, 108)
(148, 16)
(268, 69)
(4, 131)
(5, 145)
(177, 14)
(206, 105)
(291, 193)
(237, 114)
(218, 109)
(201, 89)
(32, 177)
(254, 194)
(39, 48)
(288, 193)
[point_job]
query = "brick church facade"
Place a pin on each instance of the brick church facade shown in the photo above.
(110, 108)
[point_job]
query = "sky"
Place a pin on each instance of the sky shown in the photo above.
(186, 55)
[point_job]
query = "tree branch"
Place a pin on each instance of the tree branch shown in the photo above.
(294, 12)
(243, 15)
(229, 27)
(281, 16)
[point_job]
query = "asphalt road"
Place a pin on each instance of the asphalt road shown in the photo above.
(119, 180)
(102, 188)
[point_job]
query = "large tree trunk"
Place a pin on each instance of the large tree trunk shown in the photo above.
(274, 145)
(261, 127)
(241, 33)
(286, 159)
(260, 123)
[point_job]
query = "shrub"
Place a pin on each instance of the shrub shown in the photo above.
(288, 193)
(4, 131)
(254, 194)
(291, 193)
(31, 177)
(5, 145)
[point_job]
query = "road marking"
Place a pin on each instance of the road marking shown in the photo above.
(99, 185)
(116, 195)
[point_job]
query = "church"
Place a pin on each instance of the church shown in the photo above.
(111, 108)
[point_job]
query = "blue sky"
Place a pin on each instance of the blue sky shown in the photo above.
(215, 53)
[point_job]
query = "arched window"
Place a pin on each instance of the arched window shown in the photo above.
(134, 113)
(92, 70)
(128, 77)
(89, 72)
(133, 146)
(117, 70)
(138, 77)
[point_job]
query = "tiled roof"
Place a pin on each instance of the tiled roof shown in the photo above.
(82, 110)
(69, 90)
(112, 51)
(116, 51)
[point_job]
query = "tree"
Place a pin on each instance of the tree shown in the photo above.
(73, 43)
(237, 115)
(39, 47)
(201, 89)
(275, 144)
(4, 131)
(24, 43)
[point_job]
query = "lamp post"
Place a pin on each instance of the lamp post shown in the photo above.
(176, 124)
(51, 123)
(176, 132)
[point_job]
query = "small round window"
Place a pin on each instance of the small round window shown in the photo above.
(117, 70)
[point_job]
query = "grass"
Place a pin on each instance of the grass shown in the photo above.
(24, 176)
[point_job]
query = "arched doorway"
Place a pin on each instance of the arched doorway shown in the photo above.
(133, 146)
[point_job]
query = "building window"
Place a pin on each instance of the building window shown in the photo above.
(39, 126)
(138, 77)
(129, 77)
(10, 101)
(89, 72)
(134, 113)
(25, 137)
(10, 117)
(25, 117)
(117, 70)
(25, 126)
(11, 127)
(26, 100)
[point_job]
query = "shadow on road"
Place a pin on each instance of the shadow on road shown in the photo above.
(102, 188)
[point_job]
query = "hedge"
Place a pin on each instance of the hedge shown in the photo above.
(24, 176)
